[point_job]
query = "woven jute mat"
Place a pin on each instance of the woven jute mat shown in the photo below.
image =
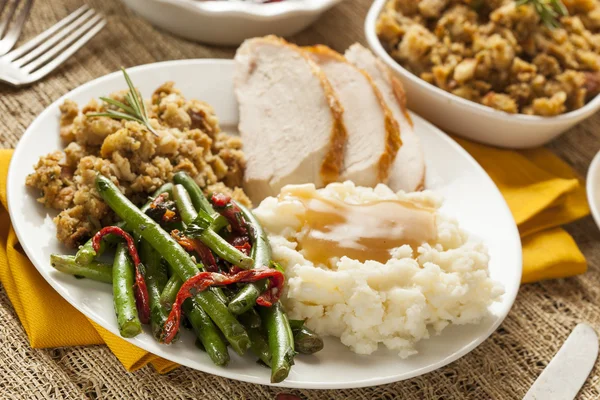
(503, 367)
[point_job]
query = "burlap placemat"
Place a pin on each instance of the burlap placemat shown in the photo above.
(503, 367)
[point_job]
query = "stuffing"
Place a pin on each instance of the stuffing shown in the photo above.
(189, 139)
(528, 67)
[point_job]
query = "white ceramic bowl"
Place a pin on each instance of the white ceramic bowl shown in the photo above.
(469, 119)
(229, 22)
(593, 188)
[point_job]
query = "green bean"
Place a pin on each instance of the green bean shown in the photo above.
(186, 208)
(219, 293)
(177, 257)
(198, 344)
(86, 253)
(94, 270)
(306, 341)
(246, 297)
(152, 260)
(258, 341)
(169, 293)
(261, 253)
(156, 278)
(280, 339)
(215, 346)
(259, 345)
(127, 316)
(224, 250)
(228, 292)
(170, 271)
(296, 324)
(250, 318)
(188, 214)
(201, 226)
(199, 200)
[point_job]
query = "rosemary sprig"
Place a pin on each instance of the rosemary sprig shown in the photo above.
(549, 10)
(134, 110)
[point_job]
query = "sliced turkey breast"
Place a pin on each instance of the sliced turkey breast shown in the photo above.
(373, 134)
(408, 170)
(290, 118)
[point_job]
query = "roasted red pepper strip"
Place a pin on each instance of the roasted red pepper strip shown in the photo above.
(273, 292)
(204, 280)
(242, 243)
(220, 200)
(244, 248)
(142, 301)
(207, 257)
(229, 210)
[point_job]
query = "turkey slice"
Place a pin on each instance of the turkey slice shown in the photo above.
(290, 118)
(373, 135)
(408, 170)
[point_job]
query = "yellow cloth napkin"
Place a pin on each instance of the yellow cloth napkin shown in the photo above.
(48, 319)
(540, 189)
(543, 193)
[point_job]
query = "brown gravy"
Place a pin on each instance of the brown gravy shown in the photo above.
(368, 231)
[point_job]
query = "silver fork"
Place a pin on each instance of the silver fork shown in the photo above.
(44, 53)
(8, 37)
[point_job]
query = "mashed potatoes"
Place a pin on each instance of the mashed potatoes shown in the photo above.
(396, 303)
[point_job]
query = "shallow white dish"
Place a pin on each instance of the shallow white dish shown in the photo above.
(470, 196)
(229, 22)
(469, 119)
(593, 188)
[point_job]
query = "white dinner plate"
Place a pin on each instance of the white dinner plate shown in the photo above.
(469, 194)
(593, 188)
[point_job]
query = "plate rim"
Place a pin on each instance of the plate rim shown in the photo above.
(510, 292)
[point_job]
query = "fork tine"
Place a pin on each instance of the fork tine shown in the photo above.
(27, 47)
(48, 44)
(69, 51)
(7, 17)
(47, 56)
(14, 32)
(2, 5)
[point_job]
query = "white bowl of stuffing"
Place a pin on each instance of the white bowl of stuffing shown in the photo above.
(498, 72)
(229, 22)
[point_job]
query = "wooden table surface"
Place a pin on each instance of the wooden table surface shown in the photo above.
(503, 367)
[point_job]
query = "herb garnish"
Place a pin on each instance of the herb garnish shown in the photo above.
(134, 110)
(549, 10)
